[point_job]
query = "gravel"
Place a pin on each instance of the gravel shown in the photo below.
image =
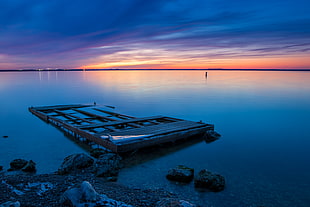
(46, 189)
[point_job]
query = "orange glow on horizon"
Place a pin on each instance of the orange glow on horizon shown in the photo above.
(289, 62)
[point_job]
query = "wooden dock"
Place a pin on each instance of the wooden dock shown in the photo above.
(115, 131)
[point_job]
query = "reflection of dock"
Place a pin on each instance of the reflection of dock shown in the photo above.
(118, 132)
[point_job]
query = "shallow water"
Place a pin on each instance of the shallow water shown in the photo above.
(263, 118)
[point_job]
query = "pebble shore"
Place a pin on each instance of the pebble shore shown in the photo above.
(27, 189)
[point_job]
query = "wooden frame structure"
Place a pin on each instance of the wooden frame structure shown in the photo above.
(115, 131)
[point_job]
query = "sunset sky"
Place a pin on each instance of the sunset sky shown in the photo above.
(154, 34)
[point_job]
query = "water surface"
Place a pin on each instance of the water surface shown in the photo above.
(263, 118)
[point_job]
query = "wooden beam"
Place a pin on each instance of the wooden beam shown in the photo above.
(121, 116)
(166, 129)
(71, 115)
(128, 121)
(94, 115)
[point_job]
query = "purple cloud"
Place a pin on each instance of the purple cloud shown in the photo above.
(75, 33)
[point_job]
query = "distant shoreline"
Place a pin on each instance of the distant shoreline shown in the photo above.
(207, 69)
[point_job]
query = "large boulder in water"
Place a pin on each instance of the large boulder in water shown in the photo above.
(29, 167)
(74, 163)
(181, 173)
(210, 181)
(97, 152)
(107, 165)
(211, 136)
(18, 164)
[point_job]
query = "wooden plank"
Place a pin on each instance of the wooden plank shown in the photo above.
(162, 129)
(159, 128)
(86, 135)
(134, 125)
(172, 119)
(124, 147)
(102, 117)
(38, 114)
(115, 114)
(60, 107)
(127, 121)
(71, 115)
(82, 133)
(111, 129)
(158, 133)
(94, 115)
(122, 115)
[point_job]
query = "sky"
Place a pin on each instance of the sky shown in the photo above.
(192, 34)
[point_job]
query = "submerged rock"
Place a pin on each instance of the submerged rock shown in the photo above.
(112, 179)
(107, 165)
(181, 173)
(29, 167)
(209, 180)
(172, 202)
(97, 152)
(24, 165)
(10, 204)
(75, 162)
(85, 195)
(18, 164)
(211, 136)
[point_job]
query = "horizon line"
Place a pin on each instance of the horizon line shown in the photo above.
(150, 69)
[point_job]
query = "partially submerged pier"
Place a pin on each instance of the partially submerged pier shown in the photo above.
(115, 131)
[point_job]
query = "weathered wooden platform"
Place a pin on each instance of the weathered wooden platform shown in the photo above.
(115, 131)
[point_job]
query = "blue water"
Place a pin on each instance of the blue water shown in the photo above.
(263, 118)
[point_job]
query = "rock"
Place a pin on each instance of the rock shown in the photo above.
(107, 165)
(29, 167)
(112, 179)
(181, 173)
(24, 165)
(1, 167)
(71, 197)
(172, 202)
(18, 164)
(75, 162)
(211, 136)
(74, 196)
(86, 195)
(97, 152)
(209, 180)
(88, 192)
(10, 204)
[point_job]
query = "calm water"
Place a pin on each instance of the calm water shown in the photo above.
(263, 118)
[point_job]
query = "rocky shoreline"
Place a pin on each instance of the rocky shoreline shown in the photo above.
(84, 180)
(18, 188)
